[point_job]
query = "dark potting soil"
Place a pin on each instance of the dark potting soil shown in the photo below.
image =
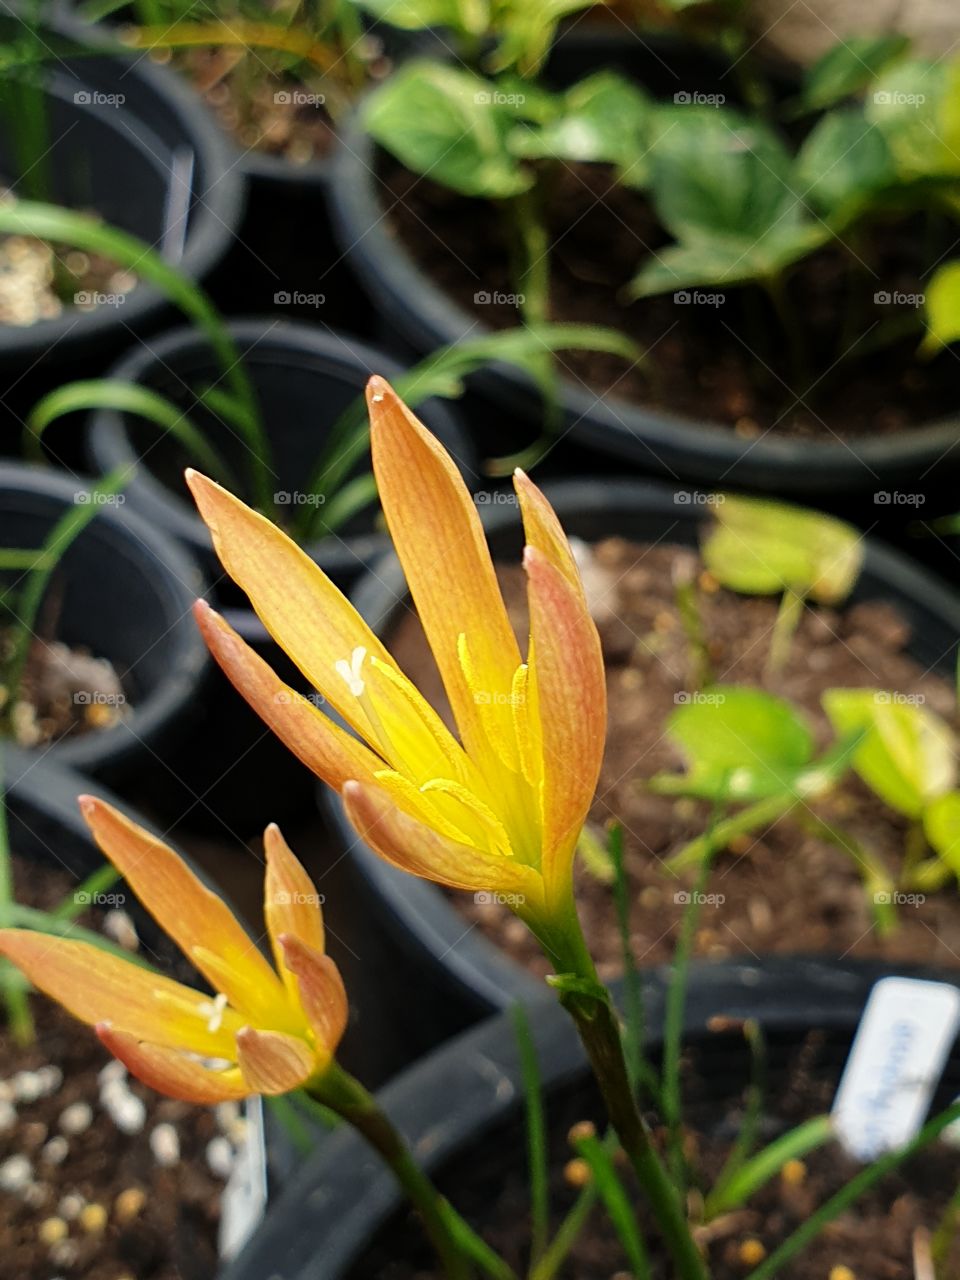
(781, 889)
(489, 1185)
(724, 363)
(79, 1196)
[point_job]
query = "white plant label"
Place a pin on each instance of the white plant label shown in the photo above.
(895, 1064)
(244, 1198)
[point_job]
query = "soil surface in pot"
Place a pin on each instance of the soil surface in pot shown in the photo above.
(782, 889)
(714, 363)
(64, 692)
(39, 281)
(490, 1186)
(99, 1176)
(276, 115)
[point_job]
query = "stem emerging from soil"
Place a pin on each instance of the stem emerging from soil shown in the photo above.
(588, 1003)
(455, 1242)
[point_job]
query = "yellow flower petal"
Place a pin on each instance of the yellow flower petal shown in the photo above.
(542, 529)
(273, 1063)
(322, 993)
(411, 845)
(305, 613)
(194, 917)
(172, 1073)
(291, 904)
(441, 545)
(98, 987)
(325, 748)
(567, 670)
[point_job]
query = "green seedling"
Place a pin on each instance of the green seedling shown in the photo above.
(760, 547)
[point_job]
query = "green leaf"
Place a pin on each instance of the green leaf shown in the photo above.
(762, 547)
(129, 397)
(844, 163)
(907, 754)
(723, 185)
(471, 17)
(617, 1203)
(740, 743)
(848, 67)
(915, 106)
(941, 825)
(942, 309)
(601, 120)
(451, 126)
(726, 261)
(718, 173)
(756, 1173)
(526, 29)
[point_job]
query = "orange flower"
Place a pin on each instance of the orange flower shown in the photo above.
(267, 1030)
(499, 808)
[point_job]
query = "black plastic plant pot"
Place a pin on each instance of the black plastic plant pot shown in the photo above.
(129, 142)
(46, 829)
(122, 591)
(304, 379)
(461, 1108)
(422, 315)
(469, 974)
(286, 248)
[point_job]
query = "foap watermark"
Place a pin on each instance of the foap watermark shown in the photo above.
(698, 698)
(98, 698)
(897, 98)
(890, 698)
(87, 299)
(695, 498)
(298, 498)
(484, 298)
(298, 98)
(698, 298)
(495, 498)
(94, 98)
(897, 298)
(486, 698)
(295, 898)
(287, 697)
(497, 98)
(898, 498)
(693, 897)
(297, 298)
(694, 98)
(894, 898)
(96, 498)
(86, 898)
(490, 898)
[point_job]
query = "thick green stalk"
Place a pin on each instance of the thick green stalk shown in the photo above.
(588, 1003)
(453, 1239)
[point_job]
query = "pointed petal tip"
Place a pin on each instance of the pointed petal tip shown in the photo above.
(378, 388)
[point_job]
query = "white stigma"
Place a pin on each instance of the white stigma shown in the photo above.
(213, 1010)
(350, 671)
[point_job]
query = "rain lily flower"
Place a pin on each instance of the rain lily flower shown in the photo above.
(266, 1030)
(499, 806)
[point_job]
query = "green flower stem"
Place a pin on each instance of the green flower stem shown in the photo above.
(588, 1003)
(453, 1239)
